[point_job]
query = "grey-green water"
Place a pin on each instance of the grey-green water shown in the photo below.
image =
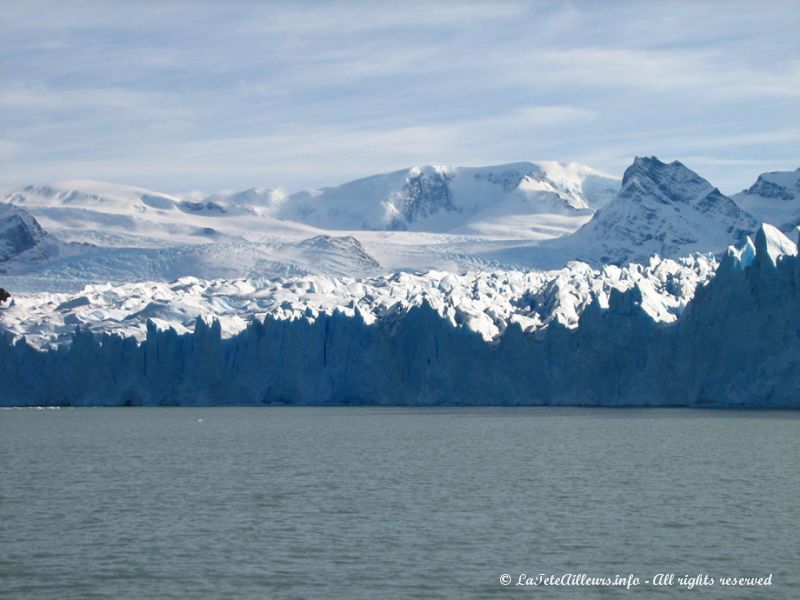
(393, 503)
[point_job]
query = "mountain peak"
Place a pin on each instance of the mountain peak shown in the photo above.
(19, 231)
(668, 183)
(652, 168)
(664, 209)
(774, 198)
(647, 163)
(447, 198)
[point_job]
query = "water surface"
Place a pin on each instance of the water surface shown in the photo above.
(392, 503)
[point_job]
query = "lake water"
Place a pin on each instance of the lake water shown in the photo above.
(394, 503)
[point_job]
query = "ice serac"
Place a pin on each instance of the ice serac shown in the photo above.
(772, 245)
(663, 209)
(576, 337)
(774, 198)
(486, 302)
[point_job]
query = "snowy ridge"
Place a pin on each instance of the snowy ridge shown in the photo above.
(513, 216)
(86, 193)
(443, 198)
(774, 198)
(415, 219)
(425, 198)
(123, 216)
(257, 200)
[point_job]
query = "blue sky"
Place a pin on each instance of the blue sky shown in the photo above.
(230, 95)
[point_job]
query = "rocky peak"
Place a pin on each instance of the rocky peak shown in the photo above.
(19, 231)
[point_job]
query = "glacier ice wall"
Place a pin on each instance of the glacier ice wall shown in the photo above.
(737, 343)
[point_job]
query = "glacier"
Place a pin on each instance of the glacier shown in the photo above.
(427, 285)
(688, 332)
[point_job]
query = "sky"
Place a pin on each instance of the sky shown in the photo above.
(184, 96)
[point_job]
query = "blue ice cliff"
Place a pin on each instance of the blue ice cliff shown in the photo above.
(670, 333)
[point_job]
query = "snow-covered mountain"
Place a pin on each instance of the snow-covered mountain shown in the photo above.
(519, 215)
(434, 198)
(663, 209)
(774, 198)
(137, 233)
(133, 234)
(88, 194)
(116, 199)
(108, 215)
(22, 237)
(114, 215)
(532, 199)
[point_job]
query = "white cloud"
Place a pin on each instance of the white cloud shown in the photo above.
(182, 95)
(7, 149)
